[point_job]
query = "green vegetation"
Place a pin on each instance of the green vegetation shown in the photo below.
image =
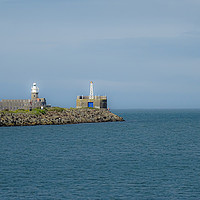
(73, 108)
(89, 108)
(16, 111)
(38, 111)
(20, 111)
(57, 109)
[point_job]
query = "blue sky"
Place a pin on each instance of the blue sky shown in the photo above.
(141, 54)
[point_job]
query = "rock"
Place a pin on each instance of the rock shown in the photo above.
(66, 116)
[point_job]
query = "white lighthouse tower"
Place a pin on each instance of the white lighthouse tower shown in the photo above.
(91, 91)
(34, 91)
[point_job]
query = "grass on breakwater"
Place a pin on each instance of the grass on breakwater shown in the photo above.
(38, 111)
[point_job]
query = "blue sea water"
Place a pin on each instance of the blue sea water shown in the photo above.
(154, 154)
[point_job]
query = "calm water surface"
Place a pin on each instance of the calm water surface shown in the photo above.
(154, 154)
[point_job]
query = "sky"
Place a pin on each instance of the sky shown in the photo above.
(141, 54)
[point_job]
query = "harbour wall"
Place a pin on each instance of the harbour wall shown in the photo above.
(58, 117)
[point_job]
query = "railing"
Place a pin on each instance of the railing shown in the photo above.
(95, 97)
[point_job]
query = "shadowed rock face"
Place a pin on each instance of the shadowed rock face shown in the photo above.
(67, 116)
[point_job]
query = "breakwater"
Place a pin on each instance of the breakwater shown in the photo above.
(56, 116)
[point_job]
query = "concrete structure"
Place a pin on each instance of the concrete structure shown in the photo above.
(26, 104)
(91, 101)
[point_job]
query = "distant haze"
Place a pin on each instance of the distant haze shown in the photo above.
(141, 54)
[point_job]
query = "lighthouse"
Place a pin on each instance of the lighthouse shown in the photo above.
(25, 104)
(34, 92)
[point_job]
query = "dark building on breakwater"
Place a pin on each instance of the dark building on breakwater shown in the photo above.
(91, 101)
(26, 104)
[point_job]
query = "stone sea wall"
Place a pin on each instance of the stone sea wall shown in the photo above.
(53, 117)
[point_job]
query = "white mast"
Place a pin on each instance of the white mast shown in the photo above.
(91, 91)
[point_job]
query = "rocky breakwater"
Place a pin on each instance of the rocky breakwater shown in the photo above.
(56, 116)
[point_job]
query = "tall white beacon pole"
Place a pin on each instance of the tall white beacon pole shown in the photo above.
(91, 91)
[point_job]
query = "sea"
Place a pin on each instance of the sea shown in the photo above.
(153, 154)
